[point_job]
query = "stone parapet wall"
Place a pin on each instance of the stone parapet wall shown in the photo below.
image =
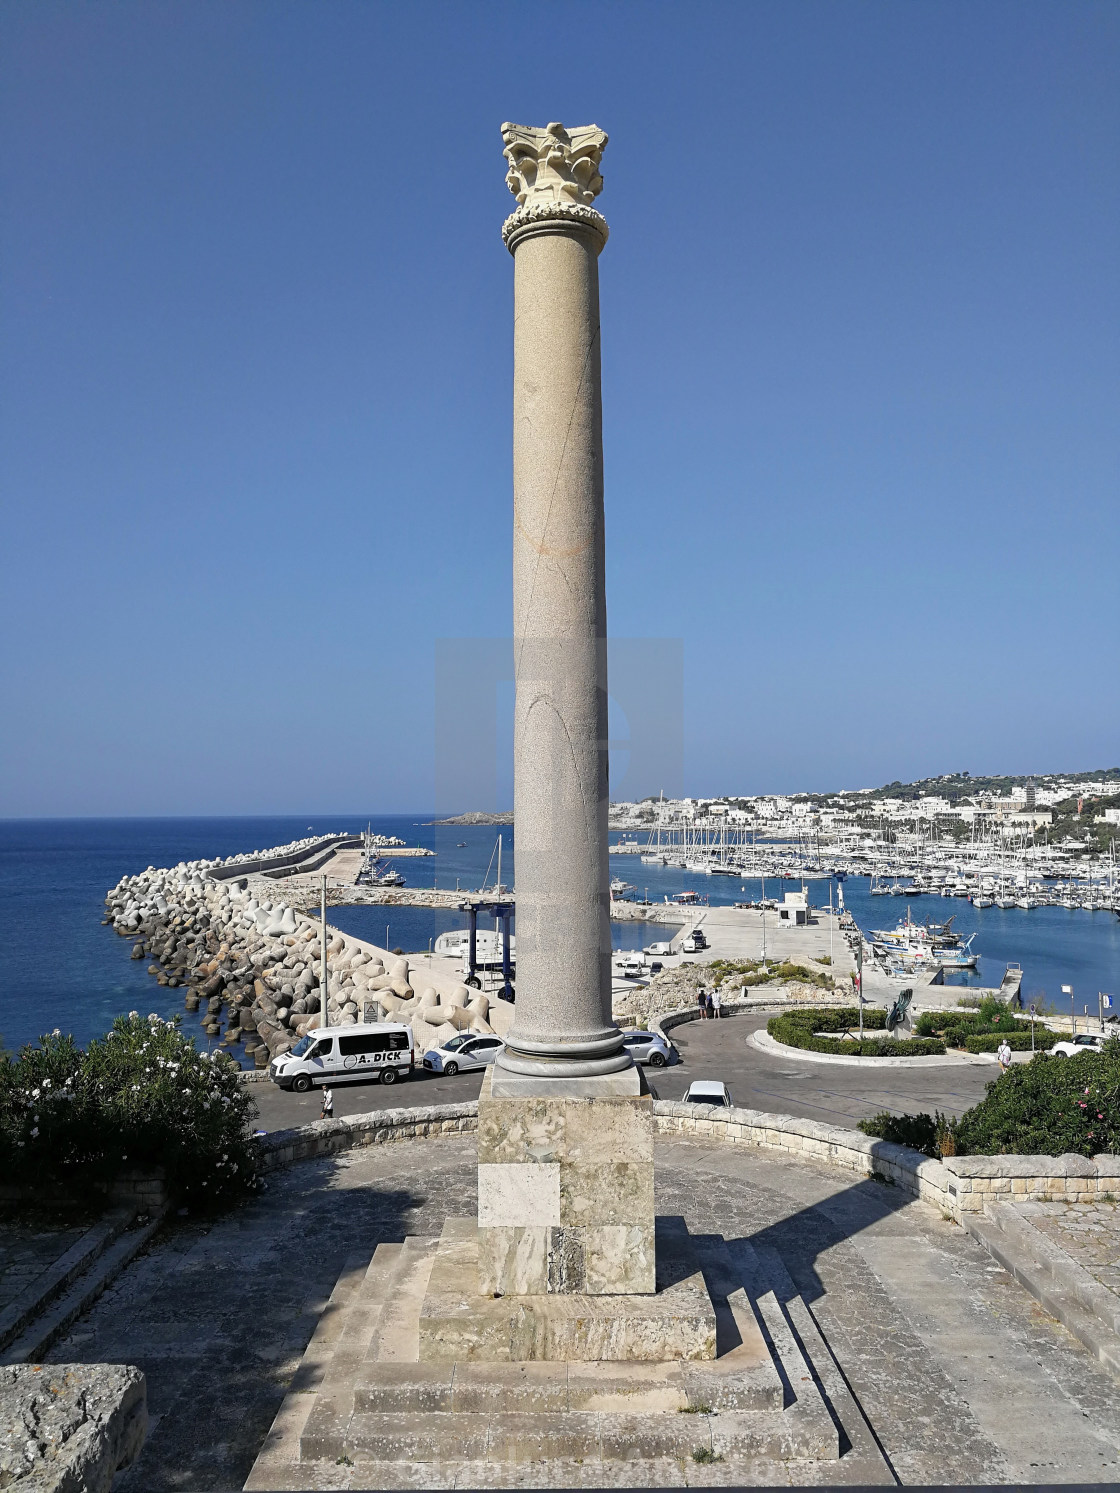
(808, 1140)
(325, 1137)
(974, 1181)
(956, 1185)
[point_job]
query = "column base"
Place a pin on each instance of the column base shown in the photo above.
(460, 1324)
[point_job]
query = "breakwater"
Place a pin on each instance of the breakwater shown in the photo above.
(253, 965)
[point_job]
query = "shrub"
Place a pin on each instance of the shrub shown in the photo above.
(1049, 1107)
(139, 1096)
(800, 1028)
(1018, 1041)
(754, 972)
(993, 1020)
(933, 1135)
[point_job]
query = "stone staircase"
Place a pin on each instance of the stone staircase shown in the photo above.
(1058, 1283)
(49, 1306)
(363, 1411)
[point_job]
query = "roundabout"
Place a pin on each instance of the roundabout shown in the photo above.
(763, 1042)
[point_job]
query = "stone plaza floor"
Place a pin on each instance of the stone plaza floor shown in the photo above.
(960, 1376)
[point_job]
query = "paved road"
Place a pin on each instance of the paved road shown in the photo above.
(834, 1094)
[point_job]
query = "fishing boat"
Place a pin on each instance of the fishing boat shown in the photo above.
(962, 958)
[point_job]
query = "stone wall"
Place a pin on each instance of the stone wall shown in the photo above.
(325, 1137)
(956, 1185)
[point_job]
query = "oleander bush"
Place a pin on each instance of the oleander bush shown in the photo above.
(1048, 1107)
(800, 1028)
(141, 1096)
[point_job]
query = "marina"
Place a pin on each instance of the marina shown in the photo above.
(66, 970)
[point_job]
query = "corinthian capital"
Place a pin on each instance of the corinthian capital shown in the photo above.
(554, 173)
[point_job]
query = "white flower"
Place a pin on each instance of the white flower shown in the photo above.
(34, 1093)
(35, 1130)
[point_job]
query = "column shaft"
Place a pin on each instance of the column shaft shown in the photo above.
(562, 1022)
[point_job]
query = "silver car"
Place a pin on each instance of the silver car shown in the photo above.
(647, 1047)
(463, 1052)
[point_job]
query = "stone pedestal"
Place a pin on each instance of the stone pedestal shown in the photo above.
(460, 1324)
(565, 1186)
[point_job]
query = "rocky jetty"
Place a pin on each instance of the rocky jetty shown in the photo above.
(253, 965)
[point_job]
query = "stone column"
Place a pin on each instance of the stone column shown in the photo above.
(562, 1024)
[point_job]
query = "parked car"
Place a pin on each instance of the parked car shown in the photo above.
(1084, 1043)
(629, 969)
(463, 1052)
(647, 1047)
(658, 948)
(708, 1091)
(346, 1054)
(694, 942)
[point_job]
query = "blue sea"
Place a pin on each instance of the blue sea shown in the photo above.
(61, 968)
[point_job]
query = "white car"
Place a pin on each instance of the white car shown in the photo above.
(707, 1091)
(647, 1047)
(463, 1052)
(1084, 1043)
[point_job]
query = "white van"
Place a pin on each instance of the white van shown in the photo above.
(341, 1054)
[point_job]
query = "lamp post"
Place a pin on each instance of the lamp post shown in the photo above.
(1068, 990)
(324, 992)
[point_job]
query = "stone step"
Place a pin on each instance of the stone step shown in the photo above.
(396, 1338)
(34, 1299)
(320, 1399)
(530, 1436)
(393, 1419)
(83, 1290)
(864, 1461)
(354, 1330)
(1058, 1283)
(774, 1297)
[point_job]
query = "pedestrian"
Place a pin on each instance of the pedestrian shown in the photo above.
(702, 1003)
(328, 1104)
(1003, 1054)
(717, 1004)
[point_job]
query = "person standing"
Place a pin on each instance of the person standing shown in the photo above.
(328, 1104)
(717, 1004)
(702, 1003)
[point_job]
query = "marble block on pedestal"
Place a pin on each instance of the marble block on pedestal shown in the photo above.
(460, 1324)
(565, 1186)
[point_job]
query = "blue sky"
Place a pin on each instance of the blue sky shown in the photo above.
(860, 386)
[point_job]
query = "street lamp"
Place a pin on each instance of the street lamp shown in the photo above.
(1068, 990)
